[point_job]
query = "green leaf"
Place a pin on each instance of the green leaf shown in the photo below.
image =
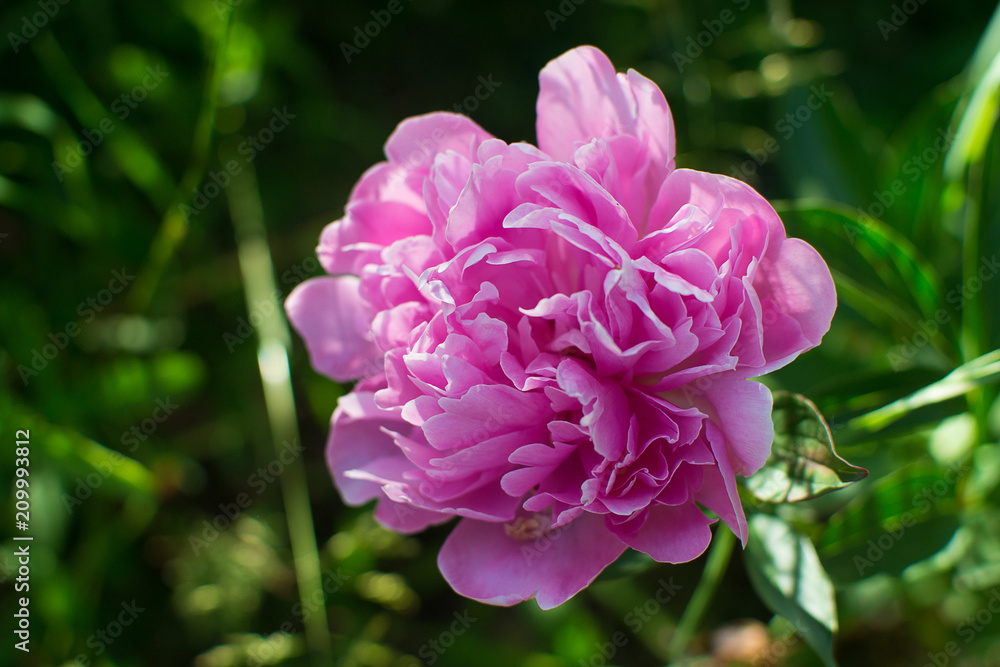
(913, 507)
(979, 371)
(787, 574)
(803, 463)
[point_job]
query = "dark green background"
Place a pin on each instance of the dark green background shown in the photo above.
(170, 334)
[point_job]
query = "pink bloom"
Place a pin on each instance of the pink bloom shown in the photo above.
(554, 343)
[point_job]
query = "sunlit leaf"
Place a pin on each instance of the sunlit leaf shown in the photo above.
(803, 463)
(864, 390)
(787, 574)
(30, 113)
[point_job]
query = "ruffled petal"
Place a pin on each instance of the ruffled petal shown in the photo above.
(618, 127)
(582, 99)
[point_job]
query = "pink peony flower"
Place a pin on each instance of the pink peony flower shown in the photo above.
(554, 343)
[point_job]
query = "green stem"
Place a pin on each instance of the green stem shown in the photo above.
(274, 341)
(711, 577)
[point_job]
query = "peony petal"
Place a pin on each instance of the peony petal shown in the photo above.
(333, 321)
(484, 412)
(670, 534)
(357, 239)
(605, 408)
(719, 492)
(743, 413)
(357, 440)
(405, 518)
(481, 561)
(582, 98)
(575, 195)
(798, 299)
(417, 140)
(703, 208)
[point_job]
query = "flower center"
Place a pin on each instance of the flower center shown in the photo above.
(528, 528)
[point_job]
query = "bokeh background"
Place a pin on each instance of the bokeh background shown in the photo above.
(181, 508)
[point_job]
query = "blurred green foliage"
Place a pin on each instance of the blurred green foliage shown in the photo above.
(146, 354)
